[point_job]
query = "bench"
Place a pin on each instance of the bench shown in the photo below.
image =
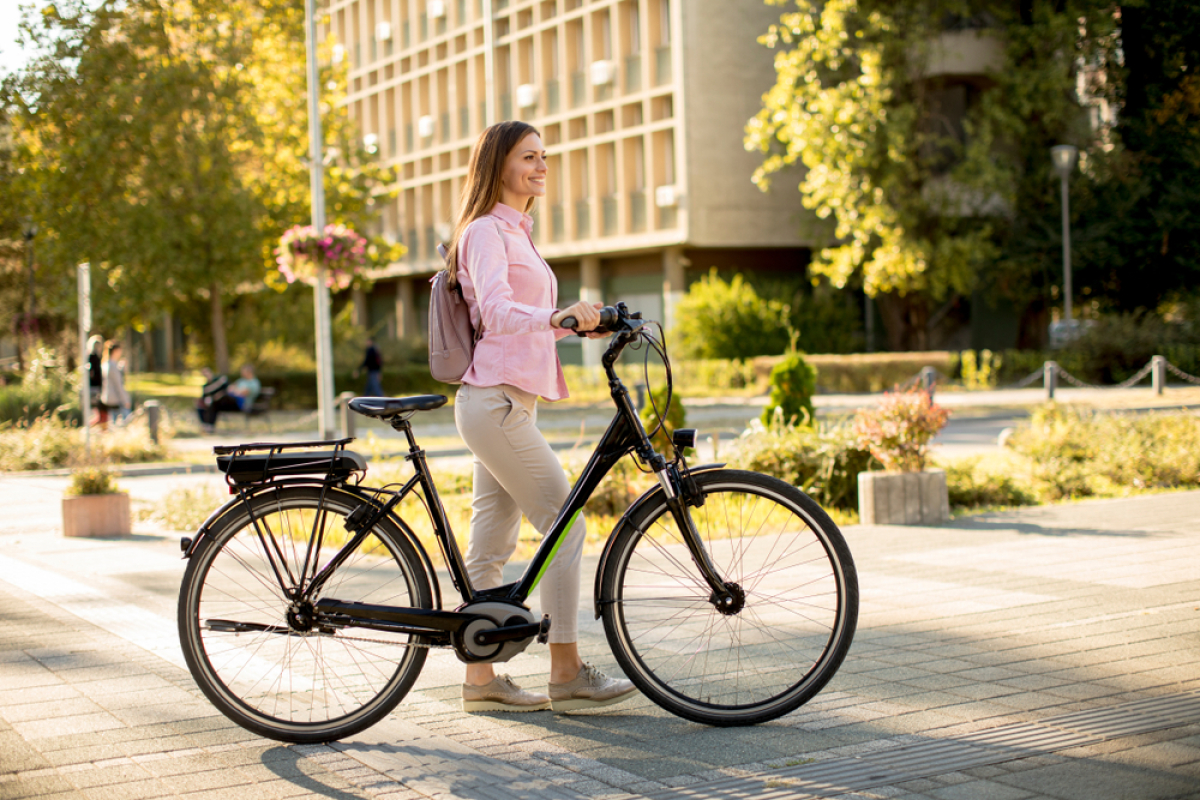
(261, 407)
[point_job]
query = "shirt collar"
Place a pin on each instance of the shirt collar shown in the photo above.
(513, 217)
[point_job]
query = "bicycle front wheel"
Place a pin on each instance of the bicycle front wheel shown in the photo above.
(796, 607)
(254, 650)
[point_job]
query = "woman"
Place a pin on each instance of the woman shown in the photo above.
(113, 395)
(511, 293)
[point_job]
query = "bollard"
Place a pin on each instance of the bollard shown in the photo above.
(1158, 373)
(641, 396)
(347, 415)
(1050, 378)
(716, 437)
(928, 380)
(153, 415)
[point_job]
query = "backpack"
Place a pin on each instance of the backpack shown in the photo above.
(452, 338)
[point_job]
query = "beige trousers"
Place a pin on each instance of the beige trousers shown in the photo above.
(515, 471)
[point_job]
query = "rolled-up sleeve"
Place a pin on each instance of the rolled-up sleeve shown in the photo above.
(487, 266)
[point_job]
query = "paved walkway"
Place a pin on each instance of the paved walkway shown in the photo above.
(1050, 652)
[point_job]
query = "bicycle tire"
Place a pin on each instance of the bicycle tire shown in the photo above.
(298, 686)
(770, 656)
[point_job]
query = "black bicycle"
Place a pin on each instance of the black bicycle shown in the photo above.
(308, 603)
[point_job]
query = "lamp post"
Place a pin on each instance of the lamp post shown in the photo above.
(317, 183)
(1064, 157)
(29, 230)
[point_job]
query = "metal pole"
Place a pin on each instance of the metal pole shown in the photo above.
(325, 410)
(1066, 226)
(84, 281)
(1050, 378)
(1158, 374)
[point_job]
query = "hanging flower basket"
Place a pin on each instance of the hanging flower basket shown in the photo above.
(339, 249)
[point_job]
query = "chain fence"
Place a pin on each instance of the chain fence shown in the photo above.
(928, 377)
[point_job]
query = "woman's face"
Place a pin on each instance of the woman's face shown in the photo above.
(524, 173)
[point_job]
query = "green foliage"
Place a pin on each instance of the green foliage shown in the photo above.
(727, 319)
(1078, 453)
(186, 508)
(650, 415)
(899, 429)
(49, 443)
(980, 370)
(165, 144)
(970, 486)
(824, 319)
(822, 460)
(45, 388)
(793, 384)
(92, 480)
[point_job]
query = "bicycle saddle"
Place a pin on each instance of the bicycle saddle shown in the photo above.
(383, 407)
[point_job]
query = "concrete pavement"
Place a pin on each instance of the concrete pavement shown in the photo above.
(1048, 652)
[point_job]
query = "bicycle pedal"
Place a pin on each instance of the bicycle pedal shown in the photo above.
(544, 630)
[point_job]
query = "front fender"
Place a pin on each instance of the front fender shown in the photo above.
(626, 519)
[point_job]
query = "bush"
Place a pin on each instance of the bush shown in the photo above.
(49, 443)
(92, 480)
(969, 487)
(186, 508)
(898, 431)
(793, 383)
(46, 388)
(876, 372)
(979, 370)
(656, 404)
(719, 319)
(822, 460)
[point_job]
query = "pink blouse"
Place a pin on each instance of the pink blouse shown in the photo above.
(512, 288)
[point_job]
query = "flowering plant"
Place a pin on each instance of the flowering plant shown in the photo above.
(339, 249)
(899, 429)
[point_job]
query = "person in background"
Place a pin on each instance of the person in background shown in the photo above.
(373, 365)
(215, 390)
(245, 390)
(96, 379)
(112, 392)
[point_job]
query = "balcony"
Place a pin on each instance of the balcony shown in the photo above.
(558, 222)
(637, 210)
(662, 65)
(608, 215)
(583, 219)
(633, 72)
(578, 88)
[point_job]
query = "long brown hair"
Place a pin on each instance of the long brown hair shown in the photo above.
(481, 189)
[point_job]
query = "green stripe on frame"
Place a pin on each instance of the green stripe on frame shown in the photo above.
(557, 545)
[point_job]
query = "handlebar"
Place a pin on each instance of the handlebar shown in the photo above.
(609, 317)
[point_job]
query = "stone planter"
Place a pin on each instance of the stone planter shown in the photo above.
(96, 515)
(903, 498)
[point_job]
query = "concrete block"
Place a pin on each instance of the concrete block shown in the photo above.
(903, 498)
(96, 515)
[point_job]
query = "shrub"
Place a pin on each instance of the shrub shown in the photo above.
(979, 370)
(676, 417)
(822, 460)
(719, 319)
(186, 508)
(1060, 447)
(45, 389)
(49, 443)
(793, 383)
(898, 430)
(92, 480)
(969, 487)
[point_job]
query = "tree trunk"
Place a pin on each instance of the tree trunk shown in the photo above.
(220, 345)
(905, 321)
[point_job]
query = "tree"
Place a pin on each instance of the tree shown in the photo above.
(164, 142)
(727, 319)
(919, 198)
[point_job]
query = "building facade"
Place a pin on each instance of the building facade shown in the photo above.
(641, 105)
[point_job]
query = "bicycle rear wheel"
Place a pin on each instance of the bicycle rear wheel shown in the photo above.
(256, 654)
(781, 642)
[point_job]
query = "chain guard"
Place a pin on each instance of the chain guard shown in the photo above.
(498, 614)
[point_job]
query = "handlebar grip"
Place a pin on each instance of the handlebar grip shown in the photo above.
(608, 316)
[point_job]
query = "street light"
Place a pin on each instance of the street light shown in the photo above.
(317, 185)
(1064, 157)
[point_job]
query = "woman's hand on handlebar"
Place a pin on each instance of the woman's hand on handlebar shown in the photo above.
(587, 316)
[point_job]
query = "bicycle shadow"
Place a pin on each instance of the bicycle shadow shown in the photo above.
(297, 770)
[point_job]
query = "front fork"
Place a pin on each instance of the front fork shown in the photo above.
(679, 501)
